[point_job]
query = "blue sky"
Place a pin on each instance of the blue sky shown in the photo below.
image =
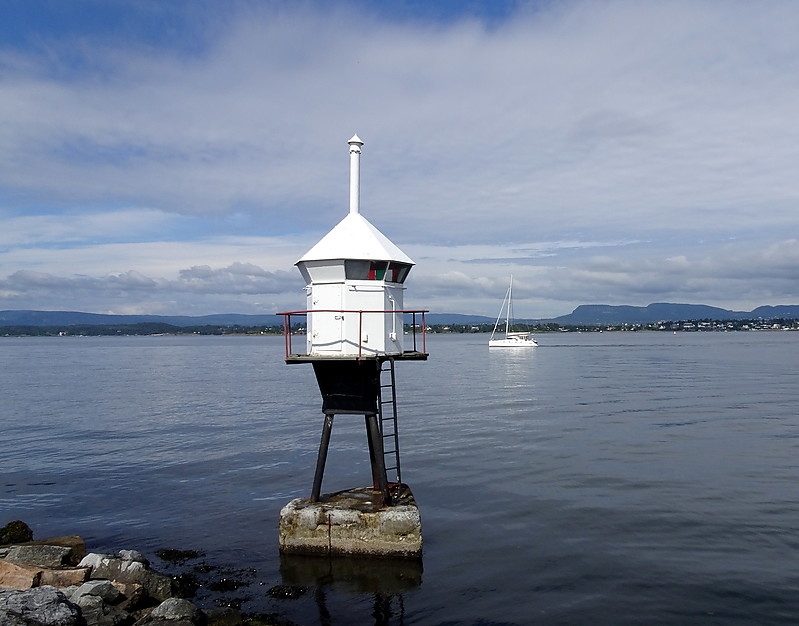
(179, 157)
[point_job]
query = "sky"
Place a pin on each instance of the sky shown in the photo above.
(177, 158)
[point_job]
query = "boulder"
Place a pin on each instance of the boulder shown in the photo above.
(100, 602)
(13, 576)
(42, 606)
(174, 612)
(133, 555)
(175, 609)
(108, 567)
(40, 555)
(98, 613)
(102, 589)
(135, 596)
(64, 577)
(15, 532)
(74, 542)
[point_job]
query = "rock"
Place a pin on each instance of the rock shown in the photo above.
(158, 586)
(94, 559)
(39, 555)
(176, 609)
(97, 600)
(223, 616)
(42, 606)
(64, 577)
(13, 576)
(15, 532)
(174, 612)
(74, 542)
(133, 555)
(135, 596)
(103, 589)
(98, 613)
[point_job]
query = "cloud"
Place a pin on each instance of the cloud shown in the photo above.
(598, 151)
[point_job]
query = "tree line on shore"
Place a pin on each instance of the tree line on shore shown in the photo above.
(158, 328)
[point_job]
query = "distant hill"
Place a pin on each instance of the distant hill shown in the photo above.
(456, 318)
(666, 312)
(591, 314)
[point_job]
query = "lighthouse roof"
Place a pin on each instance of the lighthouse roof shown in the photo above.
(354, 237)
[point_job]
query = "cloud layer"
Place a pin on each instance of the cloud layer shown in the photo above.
(618, 152)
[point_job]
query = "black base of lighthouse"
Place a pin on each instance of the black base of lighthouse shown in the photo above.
(348, 386)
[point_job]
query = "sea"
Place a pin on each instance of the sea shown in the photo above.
(600, 478)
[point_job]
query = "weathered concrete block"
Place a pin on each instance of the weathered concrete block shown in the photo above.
(352, 522)
(14, 576)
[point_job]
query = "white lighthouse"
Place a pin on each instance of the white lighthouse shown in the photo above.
(354, 282)
(355, 332)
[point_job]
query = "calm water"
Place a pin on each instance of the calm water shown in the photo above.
(601, 478)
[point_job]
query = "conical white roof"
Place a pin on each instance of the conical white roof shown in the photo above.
(354, 237)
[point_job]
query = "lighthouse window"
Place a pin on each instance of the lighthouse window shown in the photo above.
(389, 271)
(356, 270)
(397, 272)
(377, 270)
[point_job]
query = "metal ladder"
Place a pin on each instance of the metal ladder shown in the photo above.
(387, 407)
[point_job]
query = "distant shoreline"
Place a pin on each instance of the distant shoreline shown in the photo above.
(150, 329)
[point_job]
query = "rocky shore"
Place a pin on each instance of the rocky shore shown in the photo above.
(54, 582)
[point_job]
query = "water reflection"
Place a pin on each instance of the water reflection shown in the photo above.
(385, 579)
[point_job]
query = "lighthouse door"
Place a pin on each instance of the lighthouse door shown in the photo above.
(328, 320)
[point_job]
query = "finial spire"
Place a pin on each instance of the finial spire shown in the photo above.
(355, 174)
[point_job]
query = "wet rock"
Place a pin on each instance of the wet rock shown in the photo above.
(176, 608)
(42, 606)
(223, 617)
(15, 532)
(174, 612)
(178, 556)
(185, 585)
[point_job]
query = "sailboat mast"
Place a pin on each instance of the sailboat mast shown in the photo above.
(510, 306)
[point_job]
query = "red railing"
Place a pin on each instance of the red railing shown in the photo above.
(287, 334)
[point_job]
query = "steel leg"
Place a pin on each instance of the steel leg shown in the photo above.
(376, 457)
(322, 458)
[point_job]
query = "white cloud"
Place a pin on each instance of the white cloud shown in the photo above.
(659, 135)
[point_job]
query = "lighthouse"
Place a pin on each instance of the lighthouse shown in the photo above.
(355, 324)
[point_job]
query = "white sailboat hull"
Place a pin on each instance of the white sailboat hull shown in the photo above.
(514, 340)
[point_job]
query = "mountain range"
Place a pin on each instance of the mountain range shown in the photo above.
(589, 314)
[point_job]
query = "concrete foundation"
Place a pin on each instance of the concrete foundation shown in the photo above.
(353, 522)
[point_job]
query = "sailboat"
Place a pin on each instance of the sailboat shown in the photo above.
(511, 339)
